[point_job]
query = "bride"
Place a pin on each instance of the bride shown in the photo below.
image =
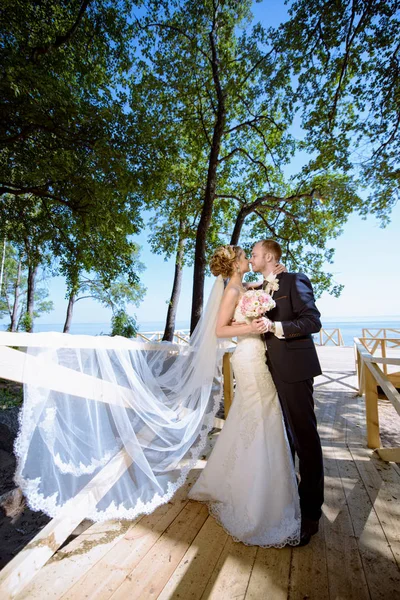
(249, 483)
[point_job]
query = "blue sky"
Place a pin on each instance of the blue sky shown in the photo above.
(366, 262)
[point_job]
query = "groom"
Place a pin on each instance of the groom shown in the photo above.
(293, 363)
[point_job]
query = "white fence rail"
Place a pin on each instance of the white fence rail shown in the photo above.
(181, 336)
(371, 374)
(325, 335)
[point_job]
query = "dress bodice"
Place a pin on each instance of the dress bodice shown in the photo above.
(238, 316)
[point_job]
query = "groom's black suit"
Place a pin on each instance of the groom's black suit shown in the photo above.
(294, 363)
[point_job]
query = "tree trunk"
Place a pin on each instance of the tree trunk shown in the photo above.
(3, 258)
(206, 213)
(241, 216)
(14, 314)
(70, 311)
(30, 301)
(176, 292)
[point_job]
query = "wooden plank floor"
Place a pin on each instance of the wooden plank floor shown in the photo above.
(179, 552)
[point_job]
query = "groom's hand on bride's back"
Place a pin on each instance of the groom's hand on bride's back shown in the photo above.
(253, 285)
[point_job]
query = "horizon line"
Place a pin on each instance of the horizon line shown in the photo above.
(336, 317)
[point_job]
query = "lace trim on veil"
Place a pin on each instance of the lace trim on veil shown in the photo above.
(48, 504)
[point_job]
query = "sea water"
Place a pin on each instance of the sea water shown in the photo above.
(350, 328)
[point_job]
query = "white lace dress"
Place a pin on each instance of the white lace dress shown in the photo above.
(249, 483)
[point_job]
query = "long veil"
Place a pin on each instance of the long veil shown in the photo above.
(151, 403)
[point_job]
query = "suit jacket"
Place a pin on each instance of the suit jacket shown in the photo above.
(295, 357)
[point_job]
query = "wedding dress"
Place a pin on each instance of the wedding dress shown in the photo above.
(249, 482)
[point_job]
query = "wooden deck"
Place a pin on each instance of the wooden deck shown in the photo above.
(180, 552)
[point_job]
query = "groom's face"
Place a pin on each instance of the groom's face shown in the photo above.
(257, 259)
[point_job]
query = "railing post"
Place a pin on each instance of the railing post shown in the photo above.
(371, 409)
(383, 352)
(359, 367)
(228, 382)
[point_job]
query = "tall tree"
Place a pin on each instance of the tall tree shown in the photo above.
(11, 288)
(102, 261)
(14, 293)
(223, 90)
(113, 293)
(176, 207)
(25, 225)
(171, 237)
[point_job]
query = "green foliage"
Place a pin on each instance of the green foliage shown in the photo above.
(179, 82)
(25, 322)
(63, 127)
(67, 143)
(69, 155)
(9, 279)
(176, 212)
(113, 293)
(213, 93)
(304, 220)
(345, 58)
(123, 324)
(11, 394)
(42, 304)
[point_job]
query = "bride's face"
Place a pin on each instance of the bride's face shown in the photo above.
(243, 263)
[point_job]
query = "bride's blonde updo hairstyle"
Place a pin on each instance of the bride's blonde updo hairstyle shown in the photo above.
(223, 260)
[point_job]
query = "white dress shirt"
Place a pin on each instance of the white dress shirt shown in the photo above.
(278, 325)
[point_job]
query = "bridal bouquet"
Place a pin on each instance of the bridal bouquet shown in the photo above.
(255, 303)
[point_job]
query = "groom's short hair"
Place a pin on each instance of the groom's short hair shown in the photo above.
(273, 247)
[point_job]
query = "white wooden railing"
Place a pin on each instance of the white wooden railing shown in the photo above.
(384, 332)
(322, 338)
(380, 339)
(181, 336)
(326, 335)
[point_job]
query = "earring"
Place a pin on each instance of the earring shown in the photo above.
(237, 270)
